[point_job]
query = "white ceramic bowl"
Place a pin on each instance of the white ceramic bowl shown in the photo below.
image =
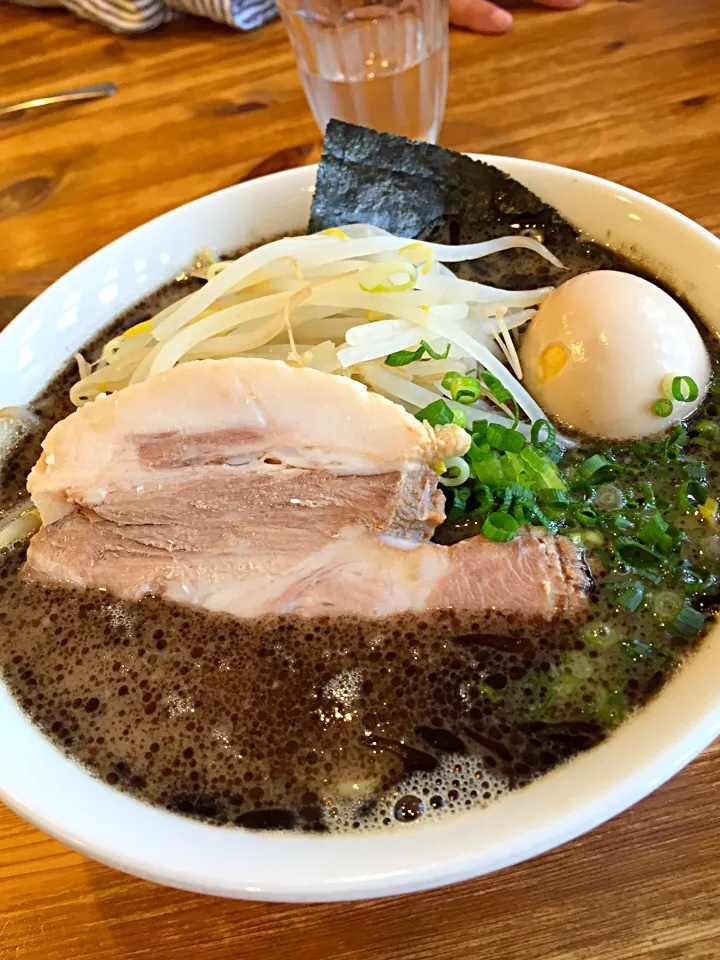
(58, 796)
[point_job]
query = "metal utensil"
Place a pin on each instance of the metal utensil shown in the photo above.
(94, 92)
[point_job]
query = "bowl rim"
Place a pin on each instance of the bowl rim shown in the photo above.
(561, 814)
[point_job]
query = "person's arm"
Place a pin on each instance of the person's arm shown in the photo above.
(481, 16)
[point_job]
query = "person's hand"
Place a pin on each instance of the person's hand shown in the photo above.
(481, 16)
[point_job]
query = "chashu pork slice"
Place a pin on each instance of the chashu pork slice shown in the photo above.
(251, 487)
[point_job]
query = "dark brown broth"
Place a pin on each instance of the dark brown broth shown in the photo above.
(286, 722)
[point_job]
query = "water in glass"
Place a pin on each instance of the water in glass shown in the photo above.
(382, 65)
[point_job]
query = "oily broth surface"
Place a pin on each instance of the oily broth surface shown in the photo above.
(314, 725)
(329, 723)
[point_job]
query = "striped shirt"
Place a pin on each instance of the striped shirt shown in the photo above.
(138, 16)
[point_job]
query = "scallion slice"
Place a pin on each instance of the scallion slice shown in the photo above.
(460, 419)
(401, 358)
(691, 494)
(554, 497)
(504, 438)
(636, 554)
(684, 389)
(675, 441)
(592, 465)
(498, 392)
(662, 407)
(463, 389)
(457, 471)
(548, 440)
(696, 580)
(667, 604)
(488, 470)
(586, 516)
(631, 596)
(485, 498)
(500, 527)
(520, 494)
(437, 413)
(654, 532)
(541, 467)
(695, 469)
(608, 497)
(479, 431)
(688, 623)
(460, 496)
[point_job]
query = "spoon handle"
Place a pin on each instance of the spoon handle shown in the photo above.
(94, 92)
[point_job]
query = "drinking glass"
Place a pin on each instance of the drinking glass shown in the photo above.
(383, 65)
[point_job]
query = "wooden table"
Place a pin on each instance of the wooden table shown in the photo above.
(627, 89)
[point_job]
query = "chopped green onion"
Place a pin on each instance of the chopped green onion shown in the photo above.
(684, 389)
(537, 429)
(654, 532)
(695, 469)
(544, 471)
(520, 494)
(552, 497)
(488, 470)
(500, 527)
(667, 604)
(460, 419)
(437, 413)
(592, 465)
(460, 496)
(631, 596)
(621, 523)
(586, 516)
(520, 514)
(644, 493)
(662, 407)
(401, 358)
(553, 451)
(678, 436)
(688, 623)
(463, 389)
(692, 494)
(641, 449)
(503, 438)
(635, 554)
(485, 498)
(608, 497)
(655, 578)
(695, 580)
(461, 472)
(479, 431)
(499, 392)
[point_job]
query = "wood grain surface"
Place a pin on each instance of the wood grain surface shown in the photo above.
(627, 89)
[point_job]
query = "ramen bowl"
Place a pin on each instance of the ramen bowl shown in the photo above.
(61, 798)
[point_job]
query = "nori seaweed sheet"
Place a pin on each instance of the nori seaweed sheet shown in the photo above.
(427, 192)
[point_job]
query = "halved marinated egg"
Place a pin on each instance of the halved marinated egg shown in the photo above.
(605, 347)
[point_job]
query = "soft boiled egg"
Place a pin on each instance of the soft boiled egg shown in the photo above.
(604, 347)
